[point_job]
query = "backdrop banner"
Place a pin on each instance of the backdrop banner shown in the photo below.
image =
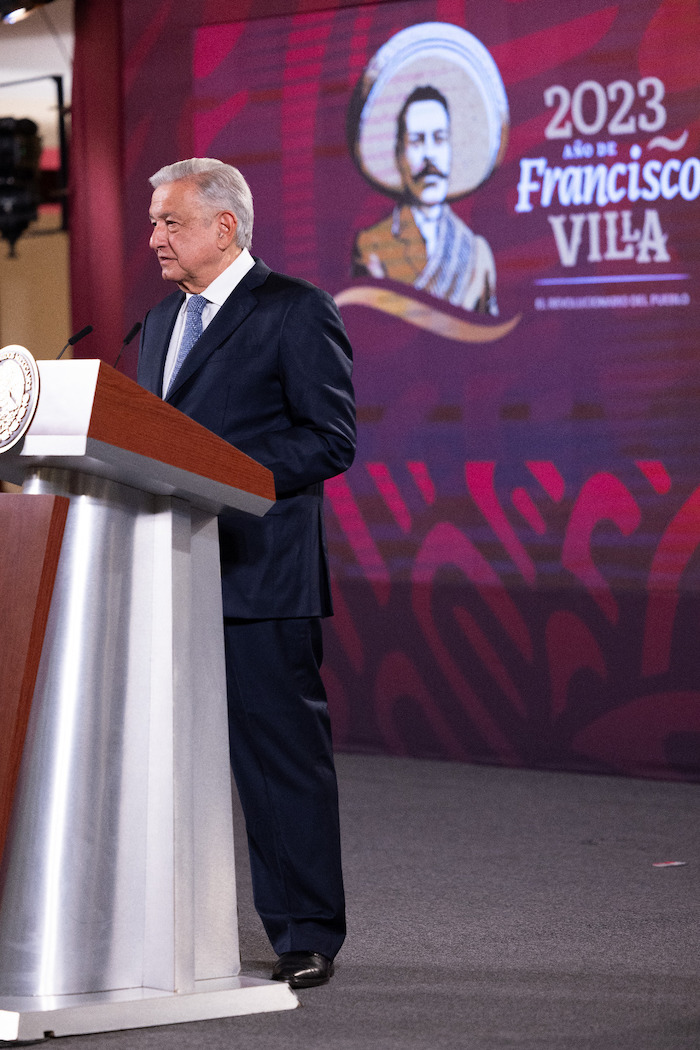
(503, 198)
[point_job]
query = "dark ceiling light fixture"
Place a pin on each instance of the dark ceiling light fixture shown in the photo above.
(12, 11)
(20, 152)
(23, 186)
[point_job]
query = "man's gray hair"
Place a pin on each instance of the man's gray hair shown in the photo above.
(220, 185)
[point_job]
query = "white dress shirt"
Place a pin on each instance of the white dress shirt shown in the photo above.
(428, 227)
(216, 295)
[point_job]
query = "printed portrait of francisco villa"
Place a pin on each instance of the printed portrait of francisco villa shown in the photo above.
(427, 125)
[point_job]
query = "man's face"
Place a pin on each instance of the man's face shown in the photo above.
(424, 155)
(186, 235)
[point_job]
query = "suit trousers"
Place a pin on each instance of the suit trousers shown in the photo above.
(282, 760)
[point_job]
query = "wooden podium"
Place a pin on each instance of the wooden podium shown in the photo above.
(117, 891)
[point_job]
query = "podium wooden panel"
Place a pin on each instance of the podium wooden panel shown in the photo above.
(31, 532)
(92, 419)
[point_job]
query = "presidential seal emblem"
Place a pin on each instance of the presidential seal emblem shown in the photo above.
(19, 394)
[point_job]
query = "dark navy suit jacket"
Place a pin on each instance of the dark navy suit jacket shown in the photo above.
(271, 375)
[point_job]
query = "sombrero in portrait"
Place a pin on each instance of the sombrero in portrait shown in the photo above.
(442, 56)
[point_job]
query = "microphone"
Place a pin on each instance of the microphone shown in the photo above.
(75, 339)
(127, 339)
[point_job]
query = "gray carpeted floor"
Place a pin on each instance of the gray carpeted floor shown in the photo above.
(489, 909)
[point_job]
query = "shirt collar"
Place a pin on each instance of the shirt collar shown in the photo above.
(222, 286)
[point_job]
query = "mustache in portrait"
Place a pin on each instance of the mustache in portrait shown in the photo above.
(430, 169)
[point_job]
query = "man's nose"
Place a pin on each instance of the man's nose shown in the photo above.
(156, 237)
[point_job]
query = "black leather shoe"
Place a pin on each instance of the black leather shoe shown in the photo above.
(302, 969)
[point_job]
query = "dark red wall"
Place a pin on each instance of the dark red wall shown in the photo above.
(515, 549)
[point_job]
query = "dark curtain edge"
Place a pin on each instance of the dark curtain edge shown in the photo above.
(95, 190)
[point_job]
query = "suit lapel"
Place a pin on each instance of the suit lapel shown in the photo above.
(240, 303)
(416, 254)
(163, 322)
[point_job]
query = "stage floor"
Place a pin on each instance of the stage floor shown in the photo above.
(490, 909)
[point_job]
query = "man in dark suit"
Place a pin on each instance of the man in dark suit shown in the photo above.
(263, 360)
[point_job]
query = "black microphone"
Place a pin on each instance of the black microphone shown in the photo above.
(75, 339)
(127, 339)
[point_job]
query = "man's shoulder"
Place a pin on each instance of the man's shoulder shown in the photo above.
(276, 285)
(397, 227)
(460, 224)
(455, 220)
(379, 231)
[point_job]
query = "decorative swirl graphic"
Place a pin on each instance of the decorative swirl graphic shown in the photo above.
(662, 142)
(475, 666)
(423, 316)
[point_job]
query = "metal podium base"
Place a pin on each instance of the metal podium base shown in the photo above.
(117, 883)
(42, 1016)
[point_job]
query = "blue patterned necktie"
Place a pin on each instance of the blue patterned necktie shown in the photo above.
(192, 332)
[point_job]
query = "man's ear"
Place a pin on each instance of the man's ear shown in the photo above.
(227, 223)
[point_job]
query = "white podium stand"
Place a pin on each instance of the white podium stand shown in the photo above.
(117, 893)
